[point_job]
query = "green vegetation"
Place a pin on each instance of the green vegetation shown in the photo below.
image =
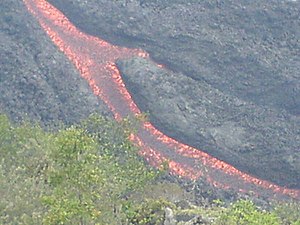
(245, 212)
(91, 174)
(289, 213)
(78, 175)
(149, 211)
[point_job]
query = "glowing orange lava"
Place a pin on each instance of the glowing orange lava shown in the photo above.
(95, 60)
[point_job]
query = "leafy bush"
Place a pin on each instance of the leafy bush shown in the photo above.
(244, 212)
(78, 175)
(150, 211)
(289, 213)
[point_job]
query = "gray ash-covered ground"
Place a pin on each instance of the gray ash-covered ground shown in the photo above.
(235, 86)
(37, 81)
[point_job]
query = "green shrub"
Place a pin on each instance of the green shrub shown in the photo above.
(244, 212)
(151, 211)
(288, 212)
(78, 175)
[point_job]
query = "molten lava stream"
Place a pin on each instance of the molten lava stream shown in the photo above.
(95, 59)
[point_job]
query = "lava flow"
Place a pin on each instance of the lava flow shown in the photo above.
(95, 60)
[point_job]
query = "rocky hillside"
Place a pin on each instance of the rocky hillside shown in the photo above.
(236, 81)
(36, 80)
(231, 88)
(250, 137)
(246, 49)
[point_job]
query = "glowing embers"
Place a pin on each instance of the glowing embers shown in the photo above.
(95, 60)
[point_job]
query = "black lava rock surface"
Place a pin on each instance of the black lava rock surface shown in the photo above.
(249, 49)
(250, 137)
(235, 93)
(36, 80)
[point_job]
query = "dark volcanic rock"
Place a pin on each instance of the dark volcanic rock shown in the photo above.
(256, 139)
(36, 79)
(243, 61)
(249, 49)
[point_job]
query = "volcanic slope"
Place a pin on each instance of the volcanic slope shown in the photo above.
(94, 58)
(36, 80)
(227, 127)
(246, 49)
(240, 50)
